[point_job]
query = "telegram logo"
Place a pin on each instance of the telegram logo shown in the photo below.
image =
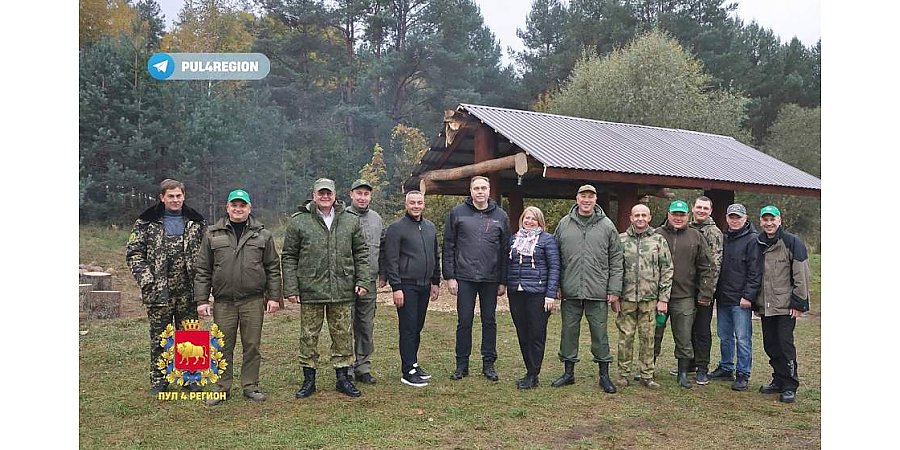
(161, 66)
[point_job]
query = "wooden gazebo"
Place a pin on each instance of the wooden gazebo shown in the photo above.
(538, 155)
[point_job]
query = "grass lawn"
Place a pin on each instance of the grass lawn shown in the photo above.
(117, 411)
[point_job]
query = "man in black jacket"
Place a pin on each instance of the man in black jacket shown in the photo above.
(411, 267)
(738, 286)
(476, 235)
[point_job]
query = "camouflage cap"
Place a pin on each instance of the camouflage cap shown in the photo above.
(239, 194)
(360, 183)
(771, 209)
(324, 183)
(736, 208)
(679, 206)
(587, 187)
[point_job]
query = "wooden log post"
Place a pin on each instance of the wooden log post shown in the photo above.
(486, 150)
(105, 304)
(99, 281)
(720, 201)
(627, 198)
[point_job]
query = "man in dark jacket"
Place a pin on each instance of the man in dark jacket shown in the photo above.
(325, 263)
(412, 269)
(691, 284)
(161, 253)
(736, 291)
(591, 282)
(476, 234)
(784, 296)
(238, 264)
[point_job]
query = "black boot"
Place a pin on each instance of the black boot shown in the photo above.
(568, 377)
(605, 382)
(309, 383)
(462, 369)
(683, 365)
(344, 385)
(489, 372)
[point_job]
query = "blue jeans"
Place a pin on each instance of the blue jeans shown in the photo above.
(735, 330)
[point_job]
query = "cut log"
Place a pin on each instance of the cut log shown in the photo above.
(99, 281)
(84, 291)
(104, 304)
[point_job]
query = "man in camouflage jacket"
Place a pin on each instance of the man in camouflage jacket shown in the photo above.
(161, 252)
(701, 335)
(646, 280)
(325, 265)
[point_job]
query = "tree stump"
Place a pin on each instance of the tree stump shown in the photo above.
(99, 281)
(84, 300)
(104, 304)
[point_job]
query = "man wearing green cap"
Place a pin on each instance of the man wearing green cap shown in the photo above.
(692, 283)
(784, 296)
(325, 262)
(239, 265)
(364, 307)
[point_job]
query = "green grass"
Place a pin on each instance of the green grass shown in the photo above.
(116, 410)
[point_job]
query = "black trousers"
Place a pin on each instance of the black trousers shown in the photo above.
(530, 319)
(778, 341)
(701, 336)
(411, 320)
(465, 310)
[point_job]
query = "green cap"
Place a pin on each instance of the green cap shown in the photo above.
(771, 209)
(239, 194)
(679, 206)
(324, 183)
(360, 183)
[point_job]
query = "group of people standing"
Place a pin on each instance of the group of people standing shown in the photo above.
(335, 257)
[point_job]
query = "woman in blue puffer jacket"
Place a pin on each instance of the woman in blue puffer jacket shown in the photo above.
(532, 283)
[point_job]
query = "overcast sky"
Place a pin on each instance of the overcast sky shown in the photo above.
(787, 18)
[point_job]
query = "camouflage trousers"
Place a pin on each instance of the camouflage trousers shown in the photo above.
(179, 308)
(340, 323)
(636, 318)
(364, 332)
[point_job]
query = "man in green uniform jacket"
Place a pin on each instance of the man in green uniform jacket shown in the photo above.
(591, 279)
(325, 263)
(238, 264)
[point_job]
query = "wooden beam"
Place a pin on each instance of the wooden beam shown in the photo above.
(466, 172)
(516, 206)
(486, 150)
(674, 182)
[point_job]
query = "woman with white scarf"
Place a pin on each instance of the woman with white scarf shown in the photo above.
(532, 283)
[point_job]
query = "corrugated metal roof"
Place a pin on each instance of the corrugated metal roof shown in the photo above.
(576, 143)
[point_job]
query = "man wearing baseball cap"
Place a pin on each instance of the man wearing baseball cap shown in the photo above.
(691, 283)
(784, 296)
(239, 265)
(590, 281)
(325, 262)
(736, 291)
(361, 192)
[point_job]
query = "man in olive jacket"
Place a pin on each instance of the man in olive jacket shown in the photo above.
(592, 266)
(325, 261)
(692, 284)
(783, 298)
(239, 265)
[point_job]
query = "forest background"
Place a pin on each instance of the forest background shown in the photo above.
(360, 87)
